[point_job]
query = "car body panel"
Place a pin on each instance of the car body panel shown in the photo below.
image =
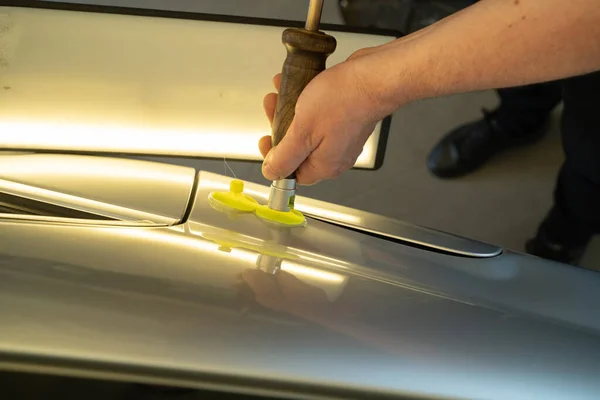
(102, 79)
(354, 219)
(127, 190)
(171, 291)
(227, 300)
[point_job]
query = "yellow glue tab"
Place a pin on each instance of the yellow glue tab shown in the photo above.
(292, 217)
(236, 200)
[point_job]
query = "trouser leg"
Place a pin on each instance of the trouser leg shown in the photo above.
(577, 192)
(575, 215)
(525, 106)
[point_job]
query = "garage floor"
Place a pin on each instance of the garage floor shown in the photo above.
(501, 204)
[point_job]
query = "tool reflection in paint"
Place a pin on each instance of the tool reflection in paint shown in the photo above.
(270, 257)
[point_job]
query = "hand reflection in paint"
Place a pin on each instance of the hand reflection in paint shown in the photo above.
(285, 292)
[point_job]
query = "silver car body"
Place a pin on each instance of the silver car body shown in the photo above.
(163, 288)
(121, 270)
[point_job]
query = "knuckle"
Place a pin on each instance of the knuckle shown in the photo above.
(305, 174)
(341, 167)
(307, 141)
(347, 165)
(333, 170)
(358, 53)
(306, 137)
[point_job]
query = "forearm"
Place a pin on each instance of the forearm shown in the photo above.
(492, 44)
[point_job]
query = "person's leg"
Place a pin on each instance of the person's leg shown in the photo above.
(520, 118)
(575, 215)
(527, 105)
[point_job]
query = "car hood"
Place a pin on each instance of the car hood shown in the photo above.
(225, 300)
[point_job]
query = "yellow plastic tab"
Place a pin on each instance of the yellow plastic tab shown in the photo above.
(292, 217)
(235, 200)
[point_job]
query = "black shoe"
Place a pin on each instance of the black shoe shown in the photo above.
(559, 239)
(469, 146)
(544, 248)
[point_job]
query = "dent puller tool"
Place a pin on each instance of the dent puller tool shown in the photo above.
(307, 52)
(237, 202)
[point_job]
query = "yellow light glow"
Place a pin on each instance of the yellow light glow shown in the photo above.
(325, 260)
(245, 255)
(301, 271)
(27, 135)
(13, 167)
(306, 273)
(172, 236)
(80, 203)
(192, 100)
(216, 185)
(367, 158)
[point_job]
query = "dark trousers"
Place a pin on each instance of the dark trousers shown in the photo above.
(576, 212)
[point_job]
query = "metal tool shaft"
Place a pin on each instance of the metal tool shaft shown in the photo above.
(313, 20)
(282, 194)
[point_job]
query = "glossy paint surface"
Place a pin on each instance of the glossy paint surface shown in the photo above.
(125, 190)
(226, 300)
(100, 82)
(369, 222)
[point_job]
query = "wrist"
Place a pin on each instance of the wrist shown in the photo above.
(384, 81)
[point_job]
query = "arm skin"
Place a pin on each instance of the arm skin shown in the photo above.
(495, 44)
(492, 44)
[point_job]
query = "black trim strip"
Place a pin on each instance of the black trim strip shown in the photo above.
(149, 12)
(142, 12)
(192, 200)
(116, 372)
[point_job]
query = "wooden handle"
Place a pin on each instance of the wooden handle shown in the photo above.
(307, 53)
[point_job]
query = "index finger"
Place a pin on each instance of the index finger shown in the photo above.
(283, 159)
(277, 81)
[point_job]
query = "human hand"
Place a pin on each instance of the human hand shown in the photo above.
(334, 116)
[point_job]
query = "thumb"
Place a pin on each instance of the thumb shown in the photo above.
(283, 159)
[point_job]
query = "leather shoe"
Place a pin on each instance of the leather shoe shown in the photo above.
(541, 246)
(469, 146)
(559, 238)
